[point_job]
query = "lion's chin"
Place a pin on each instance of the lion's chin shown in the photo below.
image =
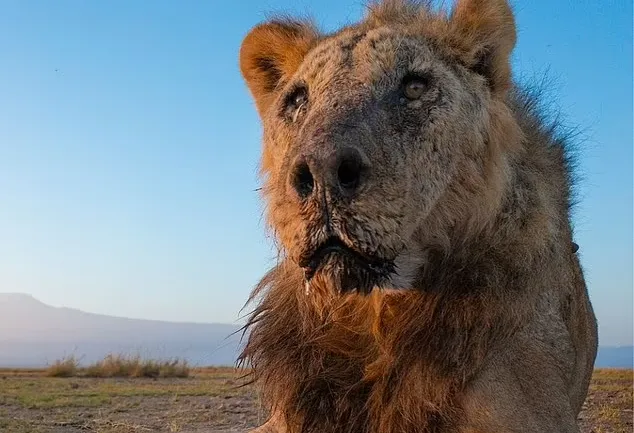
(344, 274)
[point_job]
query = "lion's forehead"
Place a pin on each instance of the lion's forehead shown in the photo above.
(362, 55)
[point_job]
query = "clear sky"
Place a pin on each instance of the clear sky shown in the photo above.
(129, 149)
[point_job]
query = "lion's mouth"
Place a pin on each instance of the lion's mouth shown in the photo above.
(351, 269)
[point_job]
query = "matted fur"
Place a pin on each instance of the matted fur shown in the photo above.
(490, 329)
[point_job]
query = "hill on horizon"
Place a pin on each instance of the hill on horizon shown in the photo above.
(34, 334)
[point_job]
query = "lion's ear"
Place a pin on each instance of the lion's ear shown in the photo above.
(271, 53)
(485, 29)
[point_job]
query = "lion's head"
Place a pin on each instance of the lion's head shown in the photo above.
(382, 138)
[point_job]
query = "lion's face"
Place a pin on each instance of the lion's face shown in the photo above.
(365, 138)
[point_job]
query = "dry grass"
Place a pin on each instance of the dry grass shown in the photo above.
(608, 408)
(65, 367)
(120, 366)
(208, 400)
(135, 366)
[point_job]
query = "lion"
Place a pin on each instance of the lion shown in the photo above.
(427, 279)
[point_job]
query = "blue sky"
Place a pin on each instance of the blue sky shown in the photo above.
(129, 148)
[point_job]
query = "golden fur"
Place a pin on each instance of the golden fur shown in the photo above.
(485, 325)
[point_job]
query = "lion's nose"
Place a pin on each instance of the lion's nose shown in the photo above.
(341, 172)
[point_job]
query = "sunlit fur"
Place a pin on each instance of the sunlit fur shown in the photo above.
(486, 326)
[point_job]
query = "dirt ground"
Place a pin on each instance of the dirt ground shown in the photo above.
(209, 401)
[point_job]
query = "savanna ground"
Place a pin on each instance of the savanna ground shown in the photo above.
(208, 400)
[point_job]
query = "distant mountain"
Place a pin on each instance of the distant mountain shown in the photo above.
(33, 334)
(615, 357)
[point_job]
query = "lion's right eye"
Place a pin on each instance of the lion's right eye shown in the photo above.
(415, 86)
(295, 102)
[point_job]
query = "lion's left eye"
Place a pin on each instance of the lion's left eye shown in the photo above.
(414, 87)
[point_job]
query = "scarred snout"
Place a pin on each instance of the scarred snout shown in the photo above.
(337, 172)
